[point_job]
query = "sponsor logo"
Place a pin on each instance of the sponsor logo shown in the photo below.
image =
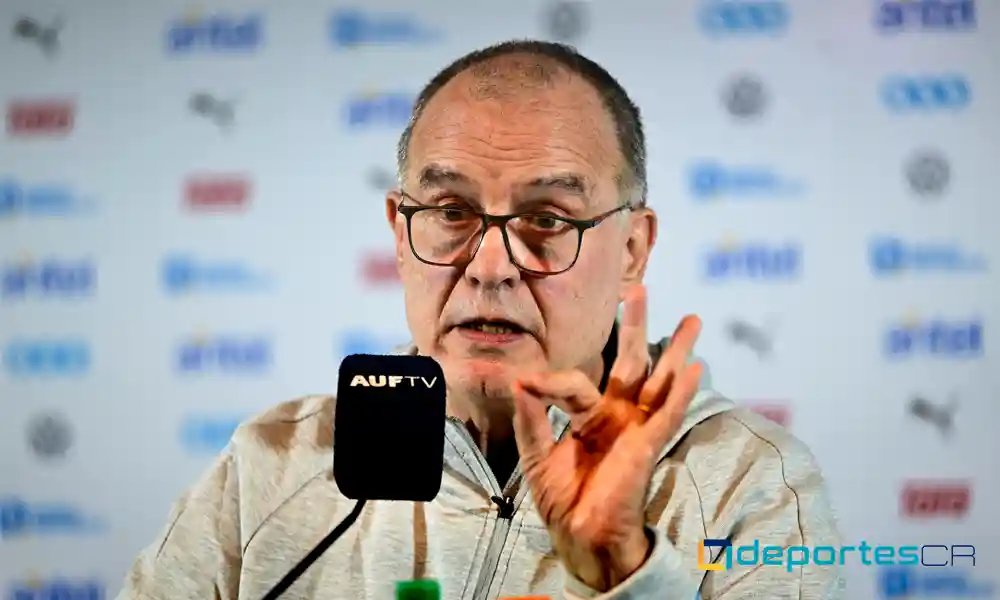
(351, 28)
(567, 21)
(713, 181)
(47, 200)
(44, 36)
(907, 94)
(363, 342)
(928, 173)
(374, 109)
(905, 583)
(939, 416)
(231, 355)
(381, 180)
(895, 16)
(937, 338)
(754, 261)
(208, 434)
(745, 97)
(50, 436)
(728, 17)
(215, 33)
(779, 413)
(217, 193)
(20, 518)
(790, 557)
(54, 118)
(185, 274)
(391, 380)
(379, 268)
(47, 278)
(46, 358)
(893, 256)
(929, 499)
(217, 111)
(57, 589)
(759, 339)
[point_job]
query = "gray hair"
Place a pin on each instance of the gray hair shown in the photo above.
(624, 113)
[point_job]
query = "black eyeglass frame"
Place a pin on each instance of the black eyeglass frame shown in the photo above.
(581, 226)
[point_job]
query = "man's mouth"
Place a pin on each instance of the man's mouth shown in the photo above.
(492, 326)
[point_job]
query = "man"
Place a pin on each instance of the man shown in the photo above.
(580, 461)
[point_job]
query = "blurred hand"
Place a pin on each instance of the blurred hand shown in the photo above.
(590, 487)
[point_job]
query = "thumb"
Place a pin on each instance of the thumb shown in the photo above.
(532, 430)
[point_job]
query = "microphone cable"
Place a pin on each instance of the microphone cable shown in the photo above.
(316, 552)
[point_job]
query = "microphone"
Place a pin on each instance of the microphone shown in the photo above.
(388, 438)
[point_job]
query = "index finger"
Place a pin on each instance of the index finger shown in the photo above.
(632, 363)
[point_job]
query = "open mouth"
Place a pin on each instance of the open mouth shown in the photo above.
(496, 327)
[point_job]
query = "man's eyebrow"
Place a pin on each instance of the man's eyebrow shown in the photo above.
(567, 182)
(433, 176)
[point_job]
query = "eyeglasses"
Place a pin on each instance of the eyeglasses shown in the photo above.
(537, 243)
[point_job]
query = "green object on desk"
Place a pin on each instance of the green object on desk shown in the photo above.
(420, 589)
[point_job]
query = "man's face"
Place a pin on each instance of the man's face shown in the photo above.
(548, 149)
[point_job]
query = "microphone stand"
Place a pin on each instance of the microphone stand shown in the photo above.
(316, 552)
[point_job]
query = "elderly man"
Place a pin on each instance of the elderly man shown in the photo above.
(581, 462)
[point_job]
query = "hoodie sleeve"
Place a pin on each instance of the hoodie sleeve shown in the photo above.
(198, 554)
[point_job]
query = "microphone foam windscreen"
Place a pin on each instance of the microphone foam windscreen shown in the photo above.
(388, 436)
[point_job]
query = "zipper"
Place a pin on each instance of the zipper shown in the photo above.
(506, 507)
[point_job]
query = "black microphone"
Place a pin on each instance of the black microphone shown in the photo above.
(388, 438)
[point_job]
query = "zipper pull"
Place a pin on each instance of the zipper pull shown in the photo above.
(505, 506)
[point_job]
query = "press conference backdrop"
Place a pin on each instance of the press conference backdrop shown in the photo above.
(192, 230)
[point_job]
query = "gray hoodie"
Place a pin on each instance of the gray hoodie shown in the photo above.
(270, 498)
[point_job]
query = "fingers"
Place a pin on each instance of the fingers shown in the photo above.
(663, 423)
(572, 391)
(670, 363)
(632, 363)
(532, 430)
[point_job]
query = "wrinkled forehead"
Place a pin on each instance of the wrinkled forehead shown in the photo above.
(503, 137)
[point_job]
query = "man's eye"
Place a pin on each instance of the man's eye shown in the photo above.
(543, 222)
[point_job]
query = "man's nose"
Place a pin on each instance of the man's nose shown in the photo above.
(491, 266)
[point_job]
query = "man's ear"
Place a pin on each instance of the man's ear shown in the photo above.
(642, 228)
(396, 222)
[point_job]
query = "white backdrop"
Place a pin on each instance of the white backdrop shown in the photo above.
(191, 230)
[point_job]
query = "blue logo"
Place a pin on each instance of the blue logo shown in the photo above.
(48, 200)
(390, 109)
(225, 354)
(205, 434)
(893, 256)
(712, 181)
(184, 274)
(215, 33)
(364, 342)
(19, 519)
(908, 582)
(46, 358)
(894, 16)
(938, 338)
(352, 28)
(57, 589)
(753, 261)
(926, 93)
(722, 17)
(47, 278)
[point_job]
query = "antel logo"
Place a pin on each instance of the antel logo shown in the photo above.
(928, 499)
(217, 192)
(48, 118)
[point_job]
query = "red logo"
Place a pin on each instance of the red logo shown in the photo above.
(51, 118)
(925, 499)
(222, 193)
(380, 268)
(779, 413)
